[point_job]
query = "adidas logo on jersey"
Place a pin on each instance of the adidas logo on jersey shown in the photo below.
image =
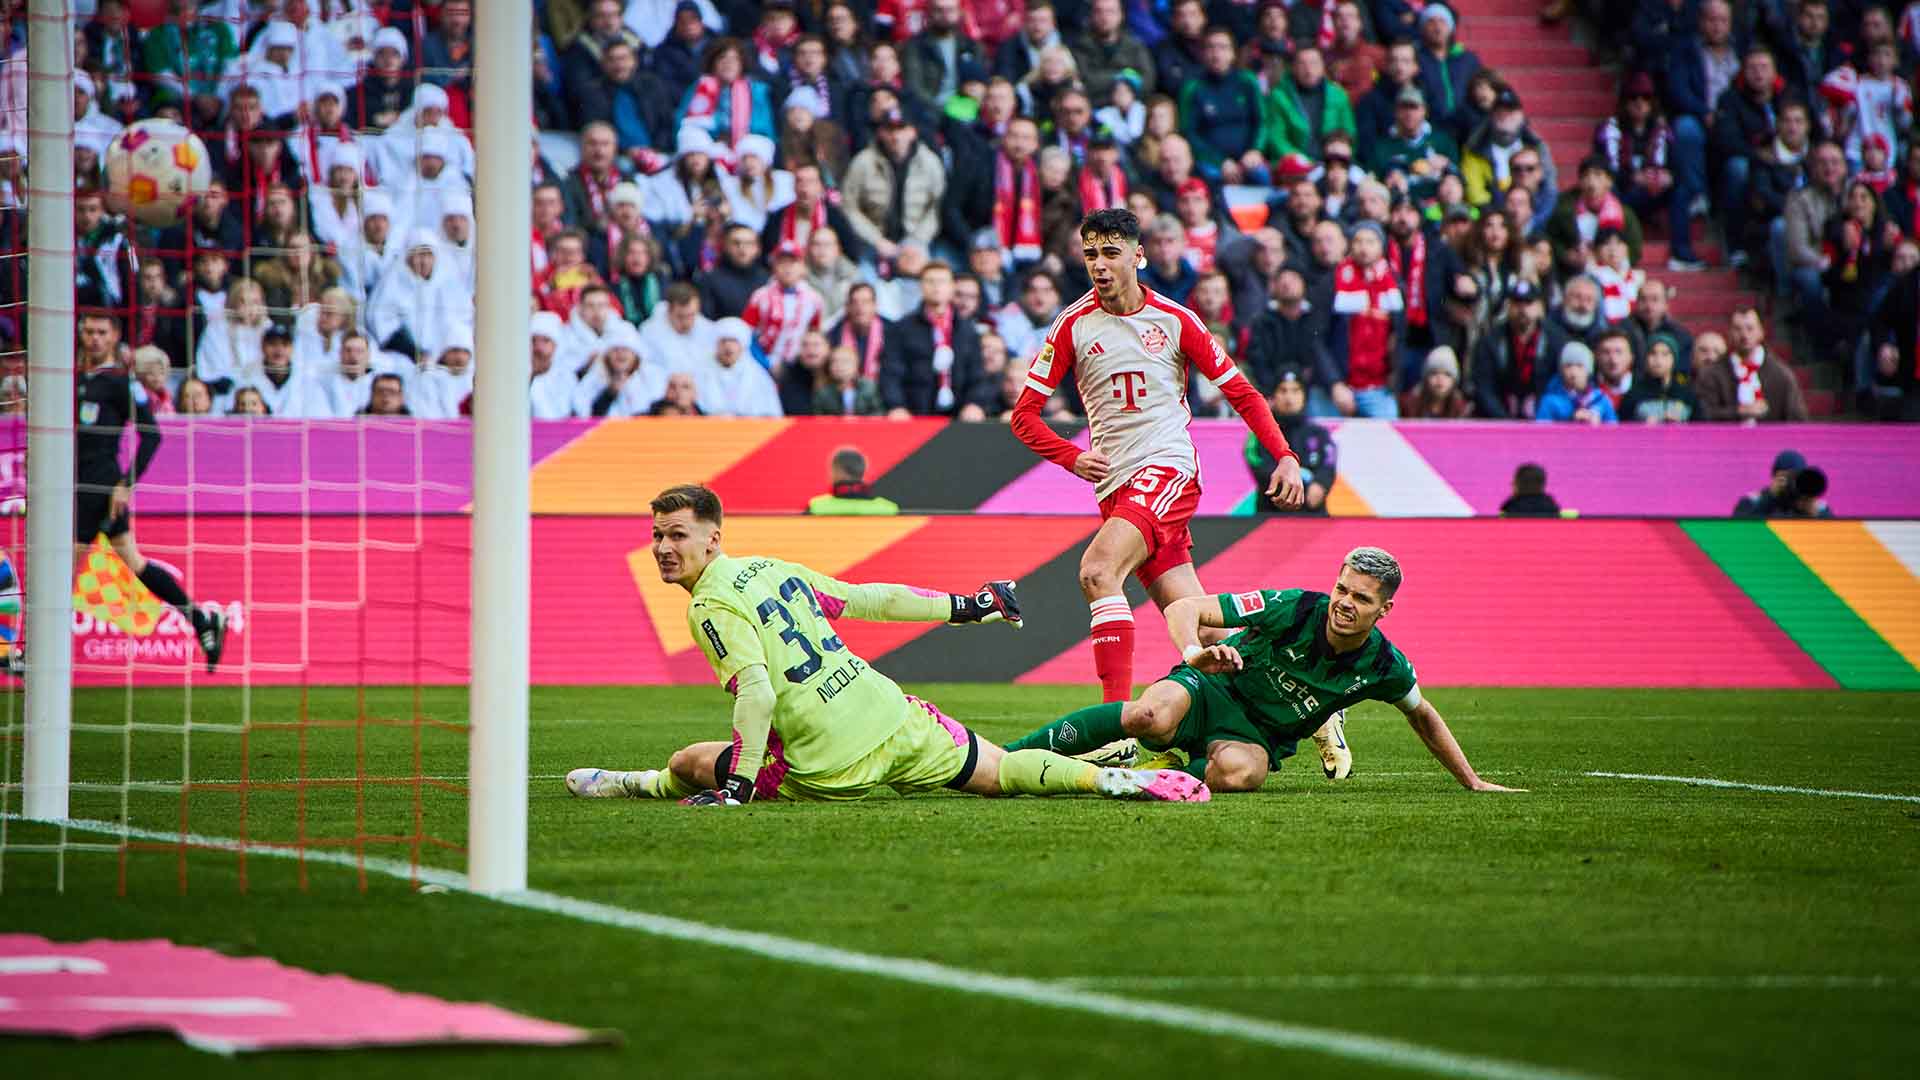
(1096, 350)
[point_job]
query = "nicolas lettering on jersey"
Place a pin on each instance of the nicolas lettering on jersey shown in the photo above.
(841, 678)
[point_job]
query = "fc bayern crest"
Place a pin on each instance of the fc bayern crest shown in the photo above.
(1154, 340)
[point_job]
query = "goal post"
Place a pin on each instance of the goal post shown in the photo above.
(502, 536)
(45, 768)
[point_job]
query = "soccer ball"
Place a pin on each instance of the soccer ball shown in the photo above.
(156, 169)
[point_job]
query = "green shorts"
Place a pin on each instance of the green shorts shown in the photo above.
(1215, 714)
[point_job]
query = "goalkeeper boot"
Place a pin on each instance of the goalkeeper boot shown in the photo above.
(1336, 757)
(1118, 754)
(1163, 785)
(609, 783)
(17, 661)
(210, 626)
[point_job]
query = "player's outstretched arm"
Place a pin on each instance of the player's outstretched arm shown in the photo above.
(1426, 723)
(753, 701)
(1185, 617)
(879, 602)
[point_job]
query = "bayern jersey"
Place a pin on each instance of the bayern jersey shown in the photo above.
(1132, 374)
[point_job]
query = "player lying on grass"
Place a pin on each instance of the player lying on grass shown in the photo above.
(1300, 658)
(813, 721)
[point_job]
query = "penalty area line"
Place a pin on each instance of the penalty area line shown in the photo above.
(1373, 1049)
(1777, 789)
(1495, 982)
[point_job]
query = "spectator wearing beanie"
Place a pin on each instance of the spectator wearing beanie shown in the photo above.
(1573, 396)
(1438, 396)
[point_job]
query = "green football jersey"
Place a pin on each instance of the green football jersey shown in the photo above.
(1293, 680)
(830, 708)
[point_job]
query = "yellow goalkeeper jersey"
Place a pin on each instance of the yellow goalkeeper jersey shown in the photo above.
(831, 708)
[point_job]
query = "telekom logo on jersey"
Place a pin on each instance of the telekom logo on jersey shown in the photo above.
(1129, 388)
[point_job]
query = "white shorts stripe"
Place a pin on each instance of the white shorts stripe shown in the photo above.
(1171, 495)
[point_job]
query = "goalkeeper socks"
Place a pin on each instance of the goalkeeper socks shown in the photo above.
(1112, 636)
(1042, 772)
(664, 785)
(1077, 732)
(167, 588)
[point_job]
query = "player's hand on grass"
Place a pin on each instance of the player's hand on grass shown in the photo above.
(736, 790)
(1217, 660)
(1092, 466)
(992, 602)
(1285, 488)
(1488, 785)
(118, 501)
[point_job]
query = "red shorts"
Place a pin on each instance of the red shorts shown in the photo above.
(1159, 501)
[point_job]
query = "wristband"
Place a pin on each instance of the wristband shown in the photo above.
(1187, 654)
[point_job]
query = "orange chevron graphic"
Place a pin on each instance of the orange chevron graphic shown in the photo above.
(618, 466)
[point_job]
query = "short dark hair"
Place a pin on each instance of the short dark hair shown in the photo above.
(1113, 219)
(695, 497)
(1608, 335)
(682, 292)
(386, 376)
(849, 462)
(1530, 479)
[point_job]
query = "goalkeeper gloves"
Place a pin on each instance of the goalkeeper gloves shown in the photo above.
(992, 602)
(735, 790)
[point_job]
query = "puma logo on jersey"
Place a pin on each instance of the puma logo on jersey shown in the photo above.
(1097, 350)
(1293, 654)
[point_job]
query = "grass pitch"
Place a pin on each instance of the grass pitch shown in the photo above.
(1596, 926)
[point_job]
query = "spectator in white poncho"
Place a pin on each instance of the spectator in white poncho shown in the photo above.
(440, 389)
(755, 189)
(619, 382)
(594, 322)
(677, 336)
(554, 381)
(348, 385)
(396, 151)
(366, 257)
(230, 344)
(455, 224)
(421, 304)
(338, 201)
(732, 383)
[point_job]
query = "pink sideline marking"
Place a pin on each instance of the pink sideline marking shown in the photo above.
(225, 1004)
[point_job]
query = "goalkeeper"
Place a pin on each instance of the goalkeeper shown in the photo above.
(1238, 708)
(811, 720)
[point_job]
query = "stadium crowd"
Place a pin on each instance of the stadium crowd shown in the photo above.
(849, 208)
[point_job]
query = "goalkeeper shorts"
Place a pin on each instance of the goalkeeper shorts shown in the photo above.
(928, 751)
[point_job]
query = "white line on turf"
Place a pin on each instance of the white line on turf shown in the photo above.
(1373, 1049)
(1778, 789)
(1466, 982)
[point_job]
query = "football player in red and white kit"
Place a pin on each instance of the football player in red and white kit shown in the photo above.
(1129, 352)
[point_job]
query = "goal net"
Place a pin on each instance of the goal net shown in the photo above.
(331, 536)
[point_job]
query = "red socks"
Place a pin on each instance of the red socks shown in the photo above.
(1112, 636)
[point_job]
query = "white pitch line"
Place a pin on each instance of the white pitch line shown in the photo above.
(1570, 981)
(1373, 1049)
(1778, 789)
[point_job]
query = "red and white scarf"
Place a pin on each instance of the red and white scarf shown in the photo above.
(1619, 290)
(781, 317)
(942, 325)
(767, 48)
(1370, 297)
(1416, 264)
(1016, 208)
(1326, 24)
(876, 343)
(1746, 370)
(706, 104)
(597, 189)
(1590, 221)
(1102, 192)
(790, 222)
